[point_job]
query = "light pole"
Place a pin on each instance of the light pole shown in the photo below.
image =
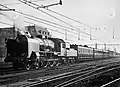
(113, 34)
(78, 34)
(66, 35)
(90, 34)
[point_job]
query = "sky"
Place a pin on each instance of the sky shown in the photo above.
(103, 15)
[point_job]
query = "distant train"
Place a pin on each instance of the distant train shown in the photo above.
(36, 52)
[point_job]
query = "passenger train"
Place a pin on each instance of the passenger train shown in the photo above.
(35, 52)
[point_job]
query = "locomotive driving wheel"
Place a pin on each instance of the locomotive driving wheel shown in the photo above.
(52, 63)
(37, 64)
(58, 63)
(46, 64)
(27, 66)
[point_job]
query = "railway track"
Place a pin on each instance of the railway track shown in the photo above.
(72, 82)
(49, 75)
(114, 83)
(68, 79)
(10, 70)
(16, 76)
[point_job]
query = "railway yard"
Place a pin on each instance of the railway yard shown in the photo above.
(84, 74)
(41, 47)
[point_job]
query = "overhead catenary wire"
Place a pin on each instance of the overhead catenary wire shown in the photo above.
(57, 13)
(53, 26)
(41, 19)
(6, 23)
(20, 3)
(60, 14)
(71, 19)
(49, 24)
(33, 23)
(54, 30)
(40, 22)
(50, 28)
(74, 28)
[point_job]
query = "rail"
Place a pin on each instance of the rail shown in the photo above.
(72, 77)
(108, 84)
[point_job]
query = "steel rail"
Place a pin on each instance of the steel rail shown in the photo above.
(86, 76)
(43, 70)
(111, 82)
(60, 76)
(78, 73)
(56, 69)
(12, 71)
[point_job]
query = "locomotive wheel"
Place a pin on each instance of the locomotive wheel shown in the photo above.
(57, 64)
(46, 64)
(52, 63)
(37, 64)
(27, 66)
(72, 61)
(41, 64)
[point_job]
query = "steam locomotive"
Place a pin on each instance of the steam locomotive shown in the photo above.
(35, 52)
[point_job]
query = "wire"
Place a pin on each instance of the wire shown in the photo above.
(33, 23)
(6, 23)
(20, 3)
(49, 24)
(42, 20)
(50, 15)
(52, 26)
(70, 18)
(58, 14)
(39, 18)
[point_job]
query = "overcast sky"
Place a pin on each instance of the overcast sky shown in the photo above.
(104, 15)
